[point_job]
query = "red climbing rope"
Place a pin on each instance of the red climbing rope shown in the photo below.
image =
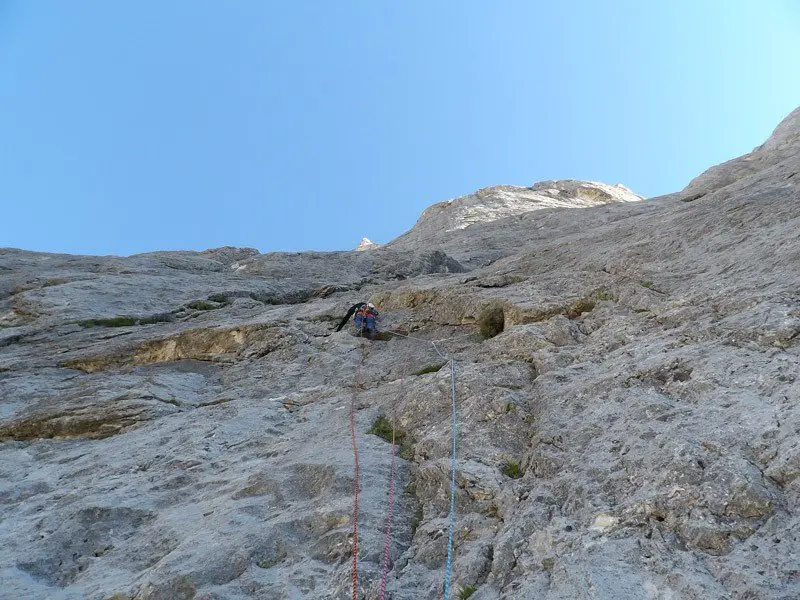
(355, 463)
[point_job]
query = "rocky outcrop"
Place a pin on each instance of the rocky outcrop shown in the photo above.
(366, 244)
(176, 425)
(499, 202)
(772, 164)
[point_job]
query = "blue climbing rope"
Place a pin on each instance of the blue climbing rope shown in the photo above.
(448, 571)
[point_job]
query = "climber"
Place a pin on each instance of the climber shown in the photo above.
(365, 320)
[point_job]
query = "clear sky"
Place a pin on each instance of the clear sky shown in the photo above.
(188, 124)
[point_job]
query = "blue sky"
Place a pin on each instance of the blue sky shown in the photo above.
(188, 124)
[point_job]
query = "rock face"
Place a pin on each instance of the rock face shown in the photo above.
(177, 425)
(493, 203)
(769, 166)
(445, 221)
(490, 204)
(366, 244)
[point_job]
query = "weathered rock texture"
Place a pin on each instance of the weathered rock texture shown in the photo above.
(176, 425)
(499, 202)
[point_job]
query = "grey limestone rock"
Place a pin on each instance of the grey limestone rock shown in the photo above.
(176, 425)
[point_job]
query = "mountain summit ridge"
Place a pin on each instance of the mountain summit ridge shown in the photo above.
(501, 201)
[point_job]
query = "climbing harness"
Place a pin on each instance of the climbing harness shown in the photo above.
(366, 320)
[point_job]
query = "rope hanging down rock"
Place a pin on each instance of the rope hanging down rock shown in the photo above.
(390, 507)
